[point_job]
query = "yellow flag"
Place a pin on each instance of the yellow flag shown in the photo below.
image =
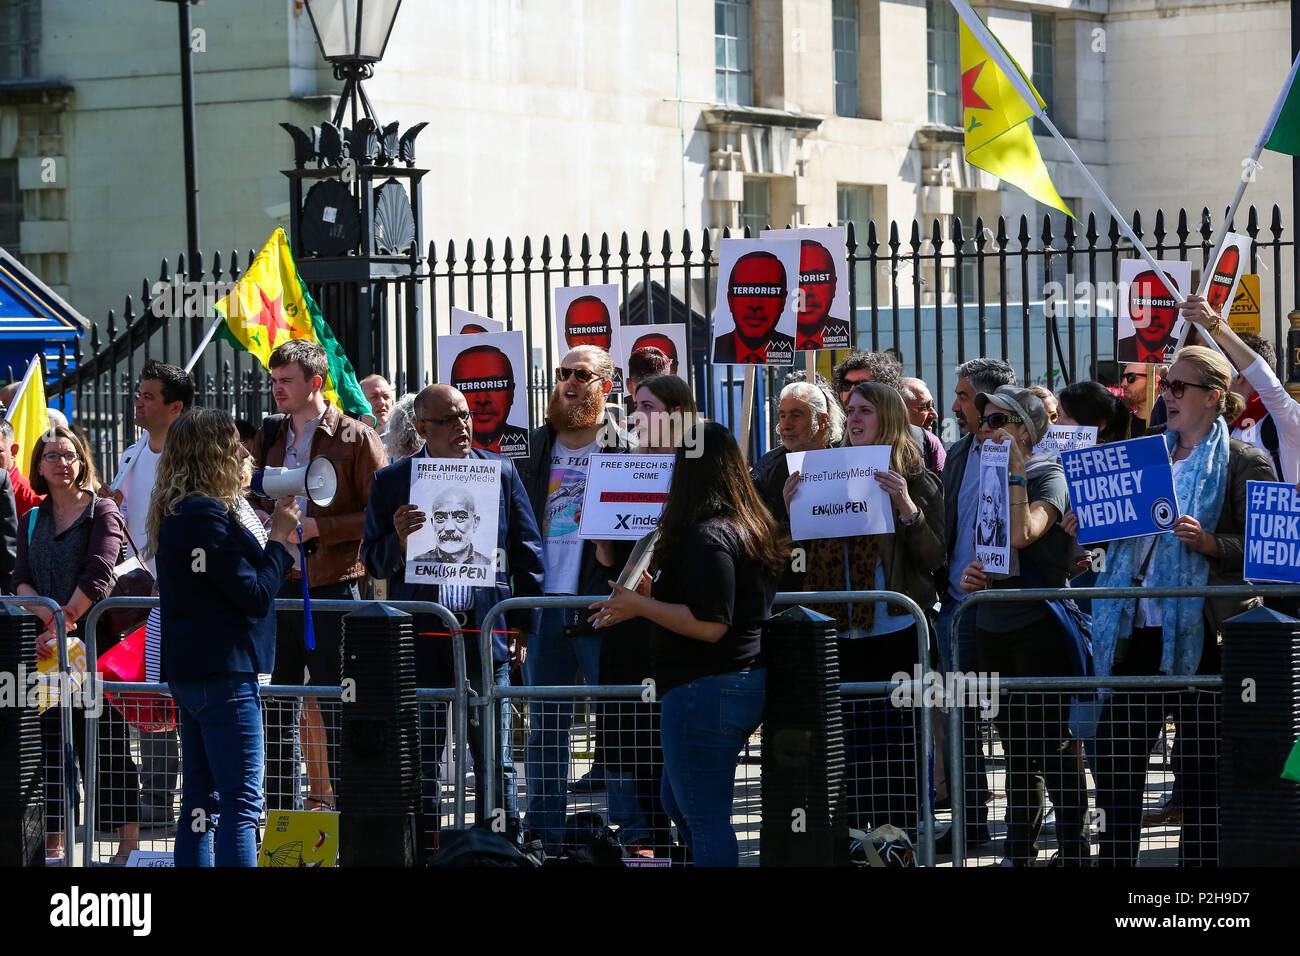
(996, 114)
(28, 414)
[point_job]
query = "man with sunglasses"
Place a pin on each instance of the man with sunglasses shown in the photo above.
(565, 645)
(443, 420)
(1136, 381)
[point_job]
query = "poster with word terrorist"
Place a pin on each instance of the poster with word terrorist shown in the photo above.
(1121, 490)
(754, 317)
(458, 541)
(838, 495)
(1233, 261)
(669, 338)
(1059, 438)
(993, 519)
(490, 371)
(468, 323)
(1272, 532)
(1148, 320)
(589, 315)
(823, 300)
(625, 495)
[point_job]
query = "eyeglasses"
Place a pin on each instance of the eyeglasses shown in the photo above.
(444, 516)
(1177, 388)
(54, 457)
(448, 420)
(924, 406)
(583, 375)
(998, 419)
(1132, 377)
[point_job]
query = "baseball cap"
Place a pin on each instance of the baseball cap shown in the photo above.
(1018, 401)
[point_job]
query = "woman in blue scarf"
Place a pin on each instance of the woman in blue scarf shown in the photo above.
(1175, 635)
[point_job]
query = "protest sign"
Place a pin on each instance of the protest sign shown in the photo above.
(822, 306)
(1121, 490)
(1272, 532)
(1148, 321)
(754, 315)
(1227, 273)
(300, 838)
(625, 495)
(467, 323)
(669, 338)
(486, 369)
(838, 495)
(993, 521)
(457, 543)
(589, 315)
(1061, 438)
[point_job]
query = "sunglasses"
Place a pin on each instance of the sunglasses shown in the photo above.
(998, 419)
(1177, 388)
(583, 375)
(1132, 377)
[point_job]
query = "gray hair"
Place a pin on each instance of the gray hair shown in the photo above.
(987, 374)
(402, 440)
(817, 396)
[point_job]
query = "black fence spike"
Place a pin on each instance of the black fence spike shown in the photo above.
(1091, 232)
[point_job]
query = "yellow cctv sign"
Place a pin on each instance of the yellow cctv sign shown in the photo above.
(1244, 316)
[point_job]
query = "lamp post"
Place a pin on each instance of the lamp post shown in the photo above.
(352, 35)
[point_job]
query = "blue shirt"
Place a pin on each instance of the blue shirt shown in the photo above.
(963, 545)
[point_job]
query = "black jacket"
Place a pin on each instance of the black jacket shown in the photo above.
(8, 532)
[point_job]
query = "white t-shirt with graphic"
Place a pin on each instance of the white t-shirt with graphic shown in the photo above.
(561, 544)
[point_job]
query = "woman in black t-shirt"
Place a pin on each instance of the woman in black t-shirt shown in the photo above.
(718, 559)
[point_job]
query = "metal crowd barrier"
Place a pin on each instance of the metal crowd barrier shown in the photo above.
(458, 696)
(492, 694)
(954, 726)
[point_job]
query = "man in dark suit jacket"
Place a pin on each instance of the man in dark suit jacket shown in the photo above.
(443, 421)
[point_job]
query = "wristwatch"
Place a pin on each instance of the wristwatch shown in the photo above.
(910, 520)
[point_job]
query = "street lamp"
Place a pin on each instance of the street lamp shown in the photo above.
(352, 35)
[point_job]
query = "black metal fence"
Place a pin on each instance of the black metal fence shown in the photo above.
(1043, 298)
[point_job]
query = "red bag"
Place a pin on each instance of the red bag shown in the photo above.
(125, 662)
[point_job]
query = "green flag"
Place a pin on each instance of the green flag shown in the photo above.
(1283, 130)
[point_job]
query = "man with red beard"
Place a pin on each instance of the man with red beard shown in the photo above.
(756, 296)
(817, 329)
(555, 477)
(484, 376)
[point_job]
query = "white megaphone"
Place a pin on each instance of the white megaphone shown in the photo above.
(316, 481)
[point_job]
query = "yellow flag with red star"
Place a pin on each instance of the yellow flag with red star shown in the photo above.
(998, 101)
(270, 305)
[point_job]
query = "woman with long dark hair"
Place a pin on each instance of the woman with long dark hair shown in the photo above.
(718, 559)
(216, 588)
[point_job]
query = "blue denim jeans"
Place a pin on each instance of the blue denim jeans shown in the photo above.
(554, 658)
(222, 752)
(704, 727)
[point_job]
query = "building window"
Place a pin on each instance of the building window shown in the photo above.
(756, 208)
(943, 63)
(11, 206)
(853, 204)
(732, 36)
(844, 38)
(1044, 64)
(20, 38)
(963, 208)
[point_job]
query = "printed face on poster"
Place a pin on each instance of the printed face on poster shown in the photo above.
(1059, 438)
(838, 495)
(1272, 532)
(669, 338)
(490, 371)
(456, 544)
(1148, 320)
(754, 316)
(1123, 489)
(824, 320)
(993, 519)
(1225, 276)
(625, 495)
(588, 315)
(467, 323)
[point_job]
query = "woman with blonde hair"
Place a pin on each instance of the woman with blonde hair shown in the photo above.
(1175, 635)
(217, 588)
(876, 641)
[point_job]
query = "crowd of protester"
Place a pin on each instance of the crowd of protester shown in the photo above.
(692, 622)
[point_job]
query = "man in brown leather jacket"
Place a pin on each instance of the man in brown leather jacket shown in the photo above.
(309, 427)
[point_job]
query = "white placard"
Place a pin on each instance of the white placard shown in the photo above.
(1059, 438)
(589, 315)
(993, 519)
(1148, 321)
(470, 323)
(754, 315)
(669, 338)
(490, 371)
(625, 496)
(150, 858)
(823, 304)
(460, 500)
(838, 495)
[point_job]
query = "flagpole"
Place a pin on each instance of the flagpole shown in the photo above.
(212, 330)
(1124, 226)
(27, 377)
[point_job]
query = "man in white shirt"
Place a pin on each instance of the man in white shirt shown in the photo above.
(164, 393)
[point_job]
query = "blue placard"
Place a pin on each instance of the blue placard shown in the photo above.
(1272, 532)
(1124, 489)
